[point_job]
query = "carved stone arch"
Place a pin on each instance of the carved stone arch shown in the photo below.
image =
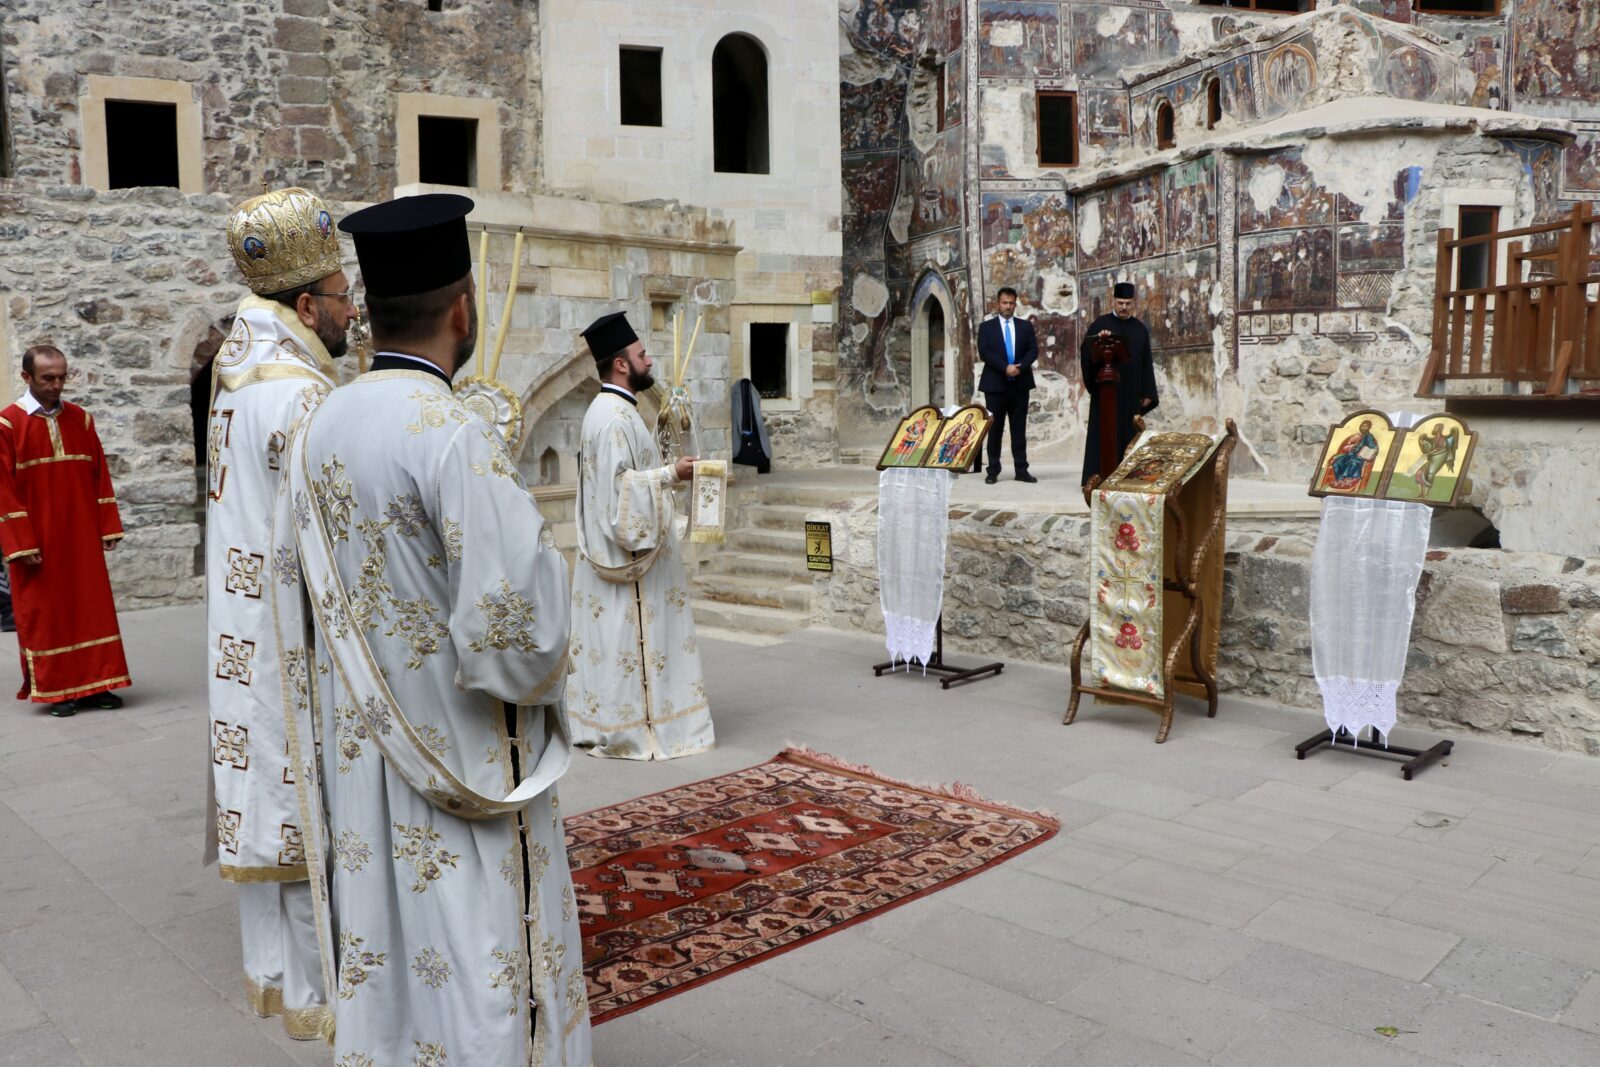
(552, 412)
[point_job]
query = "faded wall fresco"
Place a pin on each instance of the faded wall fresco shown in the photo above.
(1556, 48)
(1029, 243)
(1018, 40)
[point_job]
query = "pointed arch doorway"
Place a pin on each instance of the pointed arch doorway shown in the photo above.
(933, 354)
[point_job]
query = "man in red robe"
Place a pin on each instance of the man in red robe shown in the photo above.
(57, 513)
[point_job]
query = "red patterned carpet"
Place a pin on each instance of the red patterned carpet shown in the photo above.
(681, 887)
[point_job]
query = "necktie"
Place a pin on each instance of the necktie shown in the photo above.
(1011, 347)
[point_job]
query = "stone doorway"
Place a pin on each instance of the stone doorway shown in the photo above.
(932, 365)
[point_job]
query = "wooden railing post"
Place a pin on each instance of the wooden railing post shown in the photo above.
(1443, 272)
(1572, 268)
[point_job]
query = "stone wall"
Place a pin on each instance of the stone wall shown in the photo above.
(1503, 644)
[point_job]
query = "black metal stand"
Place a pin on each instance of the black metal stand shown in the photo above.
(1415, 758)
(938, 665)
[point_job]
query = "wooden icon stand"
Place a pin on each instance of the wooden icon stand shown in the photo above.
(1108, 352)
(1195, 517)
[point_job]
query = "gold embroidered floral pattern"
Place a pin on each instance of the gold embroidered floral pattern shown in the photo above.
(452, 540)
(350, 852)
(350, 731)
(356, 964)
(431, 968)
(508, 621)
(302, 511)
(499, 463)
(420, 847)
(415, 624)
(335, 499)
(691, 644)
(371, 590)
(511, 975)
(355, 1059)
(577, 994)
(334, 618)
(433, 739)
(436, 410)
(407, 514)
(677, 597)
(429, 1054)
(538, 858)
(511, 866)
(378, 715)
(285, 567)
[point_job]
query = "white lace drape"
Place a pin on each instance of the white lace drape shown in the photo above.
(913, 524)
(1364, 575)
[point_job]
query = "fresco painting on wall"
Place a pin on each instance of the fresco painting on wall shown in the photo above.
(1277, 190)
(1182, 317)
(955, 88)
(1393, 10)
(1107, 38)
(1372, 248)
(1484, 55)
(1028, 244)
(1140, 217)
(1541, 167)
(1288, 74)
(869, 114)
(887, 27)
(1098, 225)
(1094, 292)
(1290, 269)
(870, 183)
(1104, 122)
(1018, 40)
(1191, 202)
(1366, 290)
(1557, 50)
(1238, 81)
(1581, 178)
(936, 179)
(1410, 73)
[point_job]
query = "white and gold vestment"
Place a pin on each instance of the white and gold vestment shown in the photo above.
(269, 374)
(637, 690)
(441, 604)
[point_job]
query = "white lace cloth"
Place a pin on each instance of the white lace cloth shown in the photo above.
(1364, 575)
(913, 526)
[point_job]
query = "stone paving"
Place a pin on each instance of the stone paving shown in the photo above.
(1210, 900)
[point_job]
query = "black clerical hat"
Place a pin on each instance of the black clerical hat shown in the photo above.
(412, 245)
(1123, 290)
(608, 335)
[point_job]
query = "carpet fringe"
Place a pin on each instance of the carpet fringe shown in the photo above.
(953, 791)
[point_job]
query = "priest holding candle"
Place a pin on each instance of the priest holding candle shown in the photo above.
(637, 691)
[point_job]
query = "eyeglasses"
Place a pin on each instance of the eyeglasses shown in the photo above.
(348, 294)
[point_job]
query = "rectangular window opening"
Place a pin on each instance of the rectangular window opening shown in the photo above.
(447, 150)
(1474, 263)
(141, 144)
(1058, 129)
(641, 86)
(769, 359)
(1456, 7)
(435, 5)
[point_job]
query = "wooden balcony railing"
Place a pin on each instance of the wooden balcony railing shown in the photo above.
(1538, 319)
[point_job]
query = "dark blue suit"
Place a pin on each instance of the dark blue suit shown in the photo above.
(1007, 397)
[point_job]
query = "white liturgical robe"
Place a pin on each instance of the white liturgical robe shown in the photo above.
(440, 599)
(269, 374)
(637, 691)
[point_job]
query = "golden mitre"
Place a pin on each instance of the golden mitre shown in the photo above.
(282, 240)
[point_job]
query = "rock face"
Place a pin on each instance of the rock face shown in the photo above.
(1504, 644)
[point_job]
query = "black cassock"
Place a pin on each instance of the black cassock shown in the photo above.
(1137, 385)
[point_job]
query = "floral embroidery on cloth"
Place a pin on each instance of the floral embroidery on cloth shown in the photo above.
(1125, 608)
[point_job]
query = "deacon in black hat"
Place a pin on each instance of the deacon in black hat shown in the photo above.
(1136, 389)
(444, 612)
(628, 587)
(416, 265)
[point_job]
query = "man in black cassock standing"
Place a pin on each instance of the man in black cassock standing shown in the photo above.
(1136, 385)
(1008, 347)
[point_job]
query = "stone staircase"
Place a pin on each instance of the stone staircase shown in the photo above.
(757, 584)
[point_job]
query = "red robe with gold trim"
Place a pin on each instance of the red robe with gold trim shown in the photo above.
(57, 505)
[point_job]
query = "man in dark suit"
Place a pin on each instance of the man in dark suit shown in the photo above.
(1008, 348)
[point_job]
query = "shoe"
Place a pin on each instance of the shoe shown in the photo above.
(1026, 478)
(106, 700)
(64, 710)
(990, 479)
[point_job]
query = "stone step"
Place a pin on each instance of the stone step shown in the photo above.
(772, 516)
(755, 592)
(757, 565)
(746, 618)
(790, 543)
(801, 496)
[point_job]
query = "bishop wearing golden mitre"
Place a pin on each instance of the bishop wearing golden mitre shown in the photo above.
(275, 367)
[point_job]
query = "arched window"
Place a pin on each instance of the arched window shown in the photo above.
(1213, 103)
(739, 105)
(1166, 126)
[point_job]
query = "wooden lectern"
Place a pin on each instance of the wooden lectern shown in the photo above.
(1194, 527)
(1107, 352)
